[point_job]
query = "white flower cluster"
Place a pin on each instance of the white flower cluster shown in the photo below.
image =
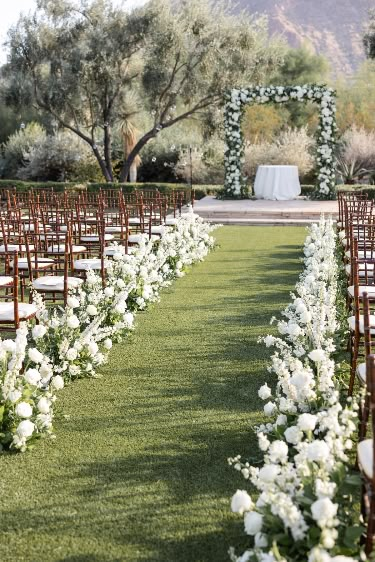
(234, 154)
(73, 342)
(305, 443)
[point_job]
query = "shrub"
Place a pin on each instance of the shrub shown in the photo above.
(356, 154)
(17, 148)
(207, 165)
(60, 157)
(292, 147)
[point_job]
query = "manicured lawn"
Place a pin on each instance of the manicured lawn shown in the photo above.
(138, 471)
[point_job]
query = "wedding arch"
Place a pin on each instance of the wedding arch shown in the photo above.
(237, 99)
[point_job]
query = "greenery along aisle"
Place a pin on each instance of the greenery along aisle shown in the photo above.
(139, 472)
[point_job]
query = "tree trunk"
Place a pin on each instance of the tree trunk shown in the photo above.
(130, 159)
(107, 151)
(106, 173)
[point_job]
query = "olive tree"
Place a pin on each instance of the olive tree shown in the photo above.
(81, 60)
(77, 62)
(195, 50)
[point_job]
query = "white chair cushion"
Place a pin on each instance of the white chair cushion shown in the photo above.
(95, 238)
(15, 248)
(134, 220)
(112, 250)
(362, 269)
(115, 229)
(362, 254)
(171, 221)
(365, 456)
(351, 321)
(157, 229)
(4, 280)
(25, 310)
(43, 263)
(89, 263)
(361, 373)
(137, 238)
(60, 249)
(370, 289)
(55, 283)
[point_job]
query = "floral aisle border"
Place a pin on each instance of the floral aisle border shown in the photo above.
(73, 342)
(325, 97)
(304, 510)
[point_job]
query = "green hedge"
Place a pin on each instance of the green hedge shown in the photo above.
(369, 189)
(200, 190)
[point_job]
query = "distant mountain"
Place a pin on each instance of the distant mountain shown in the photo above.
(333, 28)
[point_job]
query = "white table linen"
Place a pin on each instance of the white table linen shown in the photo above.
(277, 183)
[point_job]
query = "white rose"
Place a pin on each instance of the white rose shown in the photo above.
(109, 291)
(35, 355)
(9, 345)
(39, 331)
(92, 310)
(32, 376)
(278, 451)
(269, 408)
(72, 322)
(281, 420)
(93, 348)
(264, 392)
(14, 395)
(72, 302)
(317, 355)
(25, 428)
(129, 319)
(263, 442)
(293, 435)
(323, 511)
(269, 340)
(43, 405)
(253, 523)
(120, 307)
(72, 354)
(57, 382)
(307, 422)
(241, 501)
(24, 410)
(107, 343)
(317, 451)
(268, 473)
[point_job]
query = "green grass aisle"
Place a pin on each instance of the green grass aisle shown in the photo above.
(138, 471)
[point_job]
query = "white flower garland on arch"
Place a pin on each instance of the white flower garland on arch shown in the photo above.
(236, 99)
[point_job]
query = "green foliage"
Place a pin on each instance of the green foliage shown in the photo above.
(18, 147)
(369, 36)
(355, 100)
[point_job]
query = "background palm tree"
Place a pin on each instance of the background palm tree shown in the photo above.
(130, 136)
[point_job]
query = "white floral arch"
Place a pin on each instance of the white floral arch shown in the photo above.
(236, 99)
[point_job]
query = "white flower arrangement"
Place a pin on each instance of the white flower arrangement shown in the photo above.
(73, 342)
(234, 155)
(300, 513)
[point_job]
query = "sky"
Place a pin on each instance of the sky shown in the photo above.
(12, 10)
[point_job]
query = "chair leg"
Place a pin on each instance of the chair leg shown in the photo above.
(370, 525)
(353, 362)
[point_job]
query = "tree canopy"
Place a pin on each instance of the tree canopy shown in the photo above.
(82, 61)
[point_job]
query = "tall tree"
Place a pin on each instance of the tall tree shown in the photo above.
(76, 62)
(79, 60)
(195, 50)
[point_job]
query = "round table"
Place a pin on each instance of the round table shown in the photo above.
(277, 183)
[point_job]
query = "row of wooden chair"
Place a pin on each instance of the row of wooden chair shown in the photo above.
(356, 228)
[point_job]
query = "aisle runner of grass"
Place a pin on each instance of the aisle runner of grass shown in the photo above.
(138, 471)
